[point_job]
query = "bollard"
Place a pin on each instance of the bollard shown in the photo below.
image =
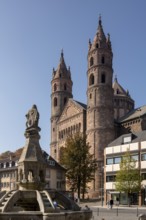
(117, 211)
(97, 211)
(137, 211)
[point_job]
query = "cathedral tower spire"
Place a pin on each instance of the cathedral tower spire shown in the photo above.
(100, 111)
(61, 91)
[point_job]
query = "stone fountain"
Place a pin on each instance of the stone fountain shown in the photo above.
(32, 201)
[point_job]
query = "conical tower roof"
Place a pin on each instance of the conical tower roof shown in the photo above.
(100, 40)
(62, 71)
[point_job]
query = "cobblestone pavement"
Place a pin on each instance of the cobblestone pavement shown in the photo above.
(117, 213)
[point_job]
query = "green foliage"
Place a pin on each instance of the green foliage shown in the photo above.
(5, 154)
(78, 161)
(128, 178)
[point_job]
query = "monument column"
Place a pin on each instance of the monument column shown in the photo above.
(32, 164)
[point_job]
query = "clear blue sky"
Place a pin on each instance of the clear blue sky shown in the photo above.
(32, 34)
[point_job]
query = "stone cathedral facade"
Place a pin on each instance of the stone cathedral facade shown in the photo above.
(108, 113)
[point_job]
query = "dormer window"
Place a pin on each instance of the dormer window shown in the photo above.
(118, 91)
(127, 139)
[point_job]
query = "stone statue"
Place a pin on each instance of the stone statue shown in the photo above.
(32, 117)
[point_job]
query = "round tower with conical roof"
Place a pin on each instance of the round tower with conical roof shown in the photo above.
(61, 85)
(100, 110)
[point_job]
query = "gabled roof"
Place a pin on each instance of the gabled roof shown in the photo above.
(136, 113)
(68, 109)
(118, 89)
(80, 104)
(51, 161)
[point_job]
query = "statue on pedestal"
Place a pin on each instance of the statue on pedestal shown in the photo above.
(32, 164)
(32, 122)
(32, 117)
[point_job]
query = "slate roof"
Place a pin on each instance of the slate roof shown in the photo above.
(136, 137)
(81, 104)
(135, 113)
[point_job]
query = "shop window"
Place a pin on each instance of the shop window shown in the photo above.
(110, 178)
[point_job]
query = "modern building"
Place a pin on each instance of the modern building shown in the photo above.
(108, 113)
(135, 143)
(55, 173)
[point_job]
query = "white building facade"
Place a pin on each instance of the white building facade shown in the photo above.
(136, 144)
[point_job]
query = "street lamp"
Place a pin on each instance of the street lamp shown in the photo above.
(101, 184)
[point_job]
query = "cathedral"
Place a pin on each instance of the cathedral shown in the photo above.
(109, 111)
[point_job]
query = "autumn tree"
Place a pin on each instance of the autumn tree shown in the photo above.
(128, 179)
(79, 162)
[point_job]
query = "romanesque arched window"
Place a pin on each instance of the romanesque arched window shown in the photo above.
(102, 59)
(61, 153)
(55, 102)
(79, 126)
(91, 80)
(91, 61)
(65, 99)
(55, 87)
(103, 78)
(65, 87)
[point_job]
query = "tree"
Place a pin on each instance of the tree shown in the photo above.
(128, 179)
(79, 162)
